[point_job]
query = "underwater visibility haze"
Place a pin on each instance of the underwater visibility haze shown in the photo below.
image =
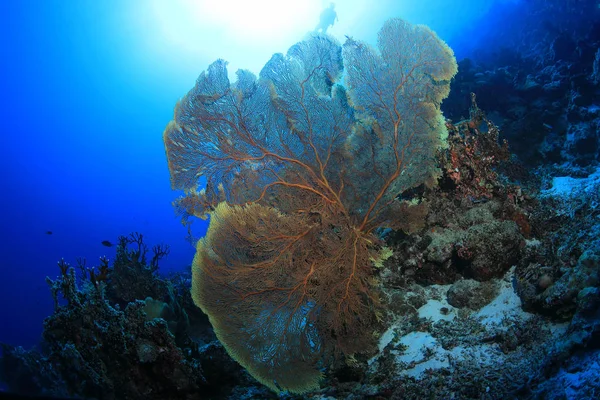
(236, 200)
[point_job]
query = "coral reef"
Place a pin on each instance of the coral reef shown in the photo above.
(93, 347)
(476, 222)
(565, 259)
(541, 86)
(133, 275)
(365, 262)
(108, 353)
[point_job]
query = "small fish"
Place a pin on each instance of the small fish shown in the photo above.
(48, 232)
(107, 243)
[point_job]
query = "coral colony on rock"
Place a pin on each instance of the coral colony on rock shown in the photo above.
(362, 244)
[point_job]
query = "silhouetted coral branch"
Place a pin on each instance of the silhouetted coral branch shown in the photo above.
(103, 271)
(159, 251)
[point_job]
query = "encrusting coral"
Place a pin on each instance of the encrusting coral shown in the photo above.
(299, 172)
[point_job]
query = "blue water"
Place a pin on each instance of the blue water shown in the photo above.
(87, 88)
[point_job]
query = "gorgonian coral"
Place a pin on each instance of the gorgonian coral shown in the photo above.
(299, 171)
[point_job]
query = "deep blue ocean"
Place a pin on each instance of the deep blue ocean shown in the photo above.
(88, 88)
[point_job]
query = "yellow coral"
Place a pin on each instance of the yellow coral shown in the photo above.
(383, 255)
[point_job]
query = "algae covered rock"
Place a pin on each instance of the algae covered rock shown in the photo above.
(469, 293)
(556, 292)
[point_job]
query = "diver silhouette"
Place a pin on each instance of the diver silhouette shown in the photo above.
(327, 18)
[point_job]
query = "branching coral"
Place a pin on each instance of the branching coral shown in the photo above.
(299, 172)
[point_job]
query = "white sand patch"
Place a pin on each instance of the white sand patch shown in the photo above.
(417, 351)
(418, 345)
(506, 304)
(386, 338)
(437, 300)
(566, 186)
(433, 310)
(423, 352)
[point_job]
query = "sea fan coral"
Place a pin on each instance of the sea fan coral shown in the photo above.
(299, 172)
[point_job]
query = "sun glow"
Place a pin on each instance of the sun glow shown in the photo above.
(259, 19)
(243, 32)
